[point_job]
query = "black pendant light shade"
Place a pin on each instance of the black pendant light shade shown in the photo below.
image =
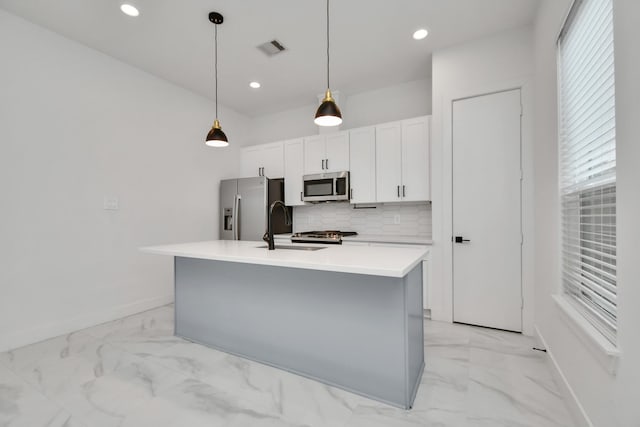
(328, 113)
(216, 137)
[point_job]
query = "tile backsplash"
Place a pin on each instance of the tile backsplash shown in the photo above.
(414, 218)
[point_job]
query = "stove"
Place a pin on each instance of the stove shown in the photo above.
(327, 236)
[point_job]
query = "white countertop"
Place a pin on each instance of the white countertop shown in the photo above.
(372, 260)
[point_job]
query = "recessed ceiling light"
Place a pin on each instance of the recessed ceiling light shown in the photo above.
(130, 10)
(420, 34)
(254, 85)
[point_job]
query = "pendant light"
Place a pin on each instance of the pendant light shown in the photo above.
(216, 137)
(328, 113)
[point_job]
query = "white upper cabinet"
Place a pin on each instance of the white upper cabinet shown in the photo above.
(402, 161)
(326, 153)
(293, 171)
(388, 162)
(416, 185)
(315, 154)
(362, 156)
(250, 161)
(263, 160)
(337, 145)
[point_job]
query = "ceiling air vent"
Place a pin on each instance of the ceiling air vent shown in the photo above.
(271, 48)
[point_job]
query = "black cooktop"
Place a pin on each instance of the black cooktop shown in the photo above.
(325, 236)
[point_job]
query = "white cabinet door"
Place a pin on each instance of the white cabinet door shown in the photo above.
(293, 171)
(337, 152)
(262, 160)
(388, 162)
(362, 160)
(273, 160)
(415, 160)
(326, 153)
(250, 161)
(314, 154)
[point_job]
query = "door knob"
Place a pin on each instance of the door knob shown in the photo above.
(459, 239)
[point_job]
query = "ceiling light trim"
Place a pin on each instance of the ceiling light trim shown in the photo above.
(420, 34)
(129, 10)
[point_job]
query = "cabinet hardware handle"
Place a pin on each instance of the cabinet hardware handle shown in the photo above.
(322, 164)
(351, 194)
(403, 193)
(460, 239)
(301, 196)
(327, 163)
(398, 191)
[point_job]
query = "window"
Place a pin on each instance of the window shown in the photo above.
(588, 162)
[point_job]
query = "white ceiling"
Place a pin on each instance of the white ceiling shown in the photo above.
(371, 43)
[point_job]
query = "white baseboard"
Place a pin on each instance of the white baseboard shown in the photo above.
(62, 327)
(576, 409)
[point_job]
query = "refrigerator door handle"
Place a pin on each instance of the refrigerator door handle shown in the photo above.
(236, 217)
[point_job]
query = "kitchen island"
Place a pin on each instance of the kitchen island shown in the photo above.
(347, 316)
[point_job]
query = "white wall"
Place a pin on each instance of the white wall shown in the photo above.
(604, 399)
(399, 102)
(498, 62)
(76, 125)
(388, 104)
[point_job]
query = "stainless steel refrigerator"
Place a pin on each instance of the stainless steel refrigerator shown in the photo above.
(244, 206)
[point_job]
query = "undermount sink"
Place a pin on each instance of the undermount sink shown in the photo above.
(295, 247)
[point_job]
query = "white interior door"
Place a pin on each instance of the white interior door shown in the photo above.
(487, 282)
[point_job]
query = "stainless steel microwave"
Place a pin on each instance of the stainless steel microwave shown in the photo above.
(325, 187)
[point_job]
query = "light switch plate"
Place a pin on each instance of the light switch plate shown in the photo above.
(396, 219)
(110, 203)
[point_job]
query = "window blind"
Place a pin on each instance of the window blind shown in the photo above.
(586, 90)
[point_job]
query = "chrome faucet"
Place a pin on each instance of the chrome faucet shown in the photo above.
(268, 236)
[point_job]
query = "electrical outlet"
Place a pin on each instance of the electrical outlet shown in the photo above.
(396, 219)
(110, 203)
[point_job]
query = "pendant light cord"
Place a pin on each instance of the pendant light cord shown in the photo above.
(328, 44)
(216, 66)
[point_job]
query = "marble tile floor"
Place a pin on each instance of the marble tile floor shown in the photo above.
(133, 372)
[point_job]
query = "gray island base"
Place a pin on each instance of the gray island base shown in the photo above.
(362, 333)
